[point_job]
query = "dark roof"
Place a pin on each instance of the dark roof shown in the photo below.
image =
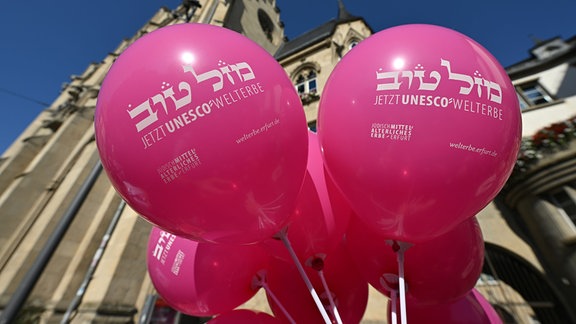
(534, 64)
(317, 34)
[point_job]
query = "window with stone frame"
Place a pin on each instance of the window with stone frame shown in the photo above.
(531, 94)
(307, 85)
(266, 24)
(353, 44)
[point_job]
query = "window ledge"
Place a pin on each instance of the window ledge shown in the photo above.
(545, 105)
(309, 97)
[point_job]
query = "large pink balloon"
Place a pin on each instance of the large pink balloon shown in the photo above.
(426, 133)
(464, 310)
(321, 215)
(244, 316)
(202, 133)
(436, 271)
(202, 279)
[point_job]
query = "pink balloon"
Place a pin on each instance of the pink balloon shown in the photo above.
(202, 279)
(436, 271)
(349, 290)
(489, 311)
(465, 310)
(244, 316)
(427, 133)
(321, 215)
(202, 133)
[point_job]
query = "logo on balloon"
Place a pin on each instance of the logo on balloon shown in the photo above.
(179, 166)
(393, 80)
(398, 132)
(162, 249)
(163, 245)
(178, 259)
(146, 113)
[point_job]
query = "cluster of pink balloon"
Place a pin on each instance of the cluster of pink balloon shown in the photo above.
(211, 146)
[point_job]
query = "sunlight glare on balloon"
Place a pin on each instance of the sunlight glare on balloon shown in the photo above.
(188, 58)
(398, 63)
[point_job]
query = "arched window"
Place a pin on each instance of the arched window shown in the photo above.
(266, 24)
(307, 85)
(306, 82)
(353, 44)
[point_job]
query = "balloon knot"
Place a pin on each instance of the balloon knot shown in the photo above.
(389, 281)
(395, 247)
(259, 280)
(317, 264)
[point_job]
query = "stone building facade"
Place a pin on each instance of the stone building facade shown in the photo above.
(50, 180)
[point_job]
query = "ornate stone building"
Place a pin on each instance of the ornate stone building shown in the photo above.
(71, 249)
(538, 201)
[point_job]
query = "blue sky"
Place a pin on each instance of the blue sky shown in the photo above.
(43, 43)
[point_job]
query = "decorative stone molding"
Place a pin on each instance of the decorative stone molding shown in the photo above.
(546, 160)
(541, 146)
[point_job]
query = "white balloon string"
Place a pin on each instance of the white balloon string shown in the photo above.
(319, 305)
(394, 298)
(333, 308)
(401, 282)
(271, 294)
(389, 282)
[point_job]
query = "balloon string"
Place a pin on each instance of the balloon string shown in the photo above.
(264, 285)
(386, 280)
(284, 238)
(333, 308)
(394, 297)
(401, 282)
